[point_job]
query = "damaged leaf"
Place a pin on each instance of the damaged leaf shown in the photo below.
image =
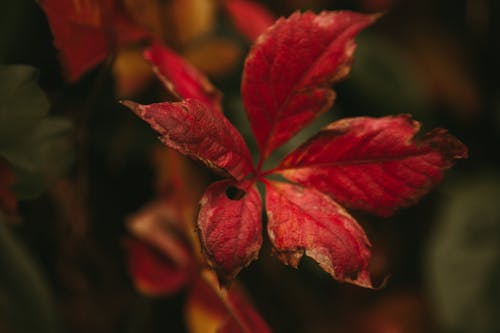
(305, 221)
(230, 226)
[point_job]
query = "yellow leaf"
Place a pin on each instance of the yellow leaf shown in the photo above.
(132, 72)
(151, 14)
(191, 19)
(214, 56)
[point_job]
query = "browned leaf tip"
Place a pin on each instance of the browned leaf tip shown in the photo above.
(131, 105)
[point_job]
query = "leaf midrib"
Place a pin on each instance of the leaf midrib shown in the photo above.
(352, 162)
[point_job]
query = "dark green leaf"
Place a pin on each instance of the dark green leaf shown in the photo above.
(36, 146)
(26, 304)
(22, 103)
(463, 261)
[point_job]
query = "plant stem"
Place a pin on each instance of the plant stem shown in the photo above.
(222, 294)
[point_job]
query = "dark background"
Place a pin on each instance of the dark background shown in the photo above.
(438, 60)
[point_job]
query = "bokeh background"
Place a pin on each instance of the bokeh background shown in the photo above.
(63, 266)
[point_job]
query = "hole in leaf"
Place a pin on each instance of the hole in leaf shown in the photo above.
(234, 193)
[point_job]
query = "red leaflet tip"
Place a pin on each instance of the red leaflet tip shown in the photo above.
(131, 105)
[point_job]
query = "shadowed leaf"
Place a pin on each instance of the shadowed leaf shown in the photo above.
(36, 147)
(26, 303)
(463, 256)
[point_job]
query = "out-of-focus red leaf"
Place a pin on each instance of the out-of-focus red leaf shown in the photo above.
(306, 221)
(152, 272)
(86, 31)
(288, 73)
(160, 258)
(213, 310)
(230, 226)
(375, 165)
(193, 129)
(8, 200)
(182, 78)
(249, 17)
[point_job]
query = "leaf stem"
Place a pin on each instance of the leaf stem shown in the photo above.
(223, 296)
(260, 163)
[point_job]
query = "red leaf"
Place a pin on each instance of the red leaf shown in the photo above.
(230, 226)
(210, 309)
(249, 17)
(375, 165)
(160, 258)
(182, 78)
(305, 221)
(193, 129)
(86, 31)
(154, 274)
(288, 73)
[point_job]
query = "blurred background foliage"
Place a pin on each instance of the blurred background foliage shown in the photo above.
(80, 164)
